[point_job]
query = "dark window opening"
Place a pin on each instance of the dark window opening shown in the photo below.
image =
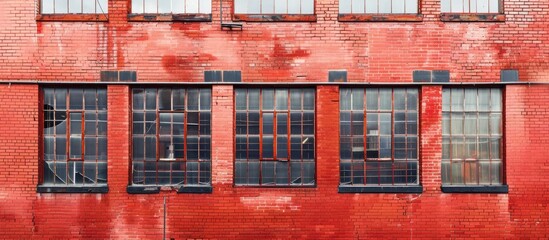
(171, 136)
(472, 150)
(378, 136)
(275, 137)
(75, 136)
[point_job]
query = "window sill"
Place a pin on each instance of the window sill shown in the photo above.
(72, 189)
(198, 17)
(275, 17)
(472, 17)
(72, 18)
(380, 189)
(380, 17)
(156, 189)
(474, 189)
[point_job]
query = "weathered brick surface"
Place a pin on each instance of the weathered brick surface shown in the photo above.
(275, 52)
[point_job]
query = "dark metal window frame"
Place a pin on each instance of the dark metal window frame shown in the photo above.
(382, 17)
(260, 135)
(72, 17)
(474, 16)
(479, 188)
(274, 17)
(184, 187)
(66, 187)
(380, 187)
(167, 17)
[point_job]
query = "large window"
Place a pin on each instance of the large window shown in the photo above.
(275, 138)
(171, 6)
(472, 135)
(470, 6)
(378, 6)
(274, 7)
(75, 137)
(171, 136)
(378, 136)
(73, 6)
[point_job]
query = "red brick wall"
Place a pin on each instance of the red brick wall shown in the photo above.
(275, 52)
(166, 51)
(237, 212)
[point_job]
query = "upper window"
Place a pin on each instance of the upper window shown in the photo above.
(378, 136)
(470, 6)
(275, 137)
(75, 137)
(73, 6)
(274, 7)
(378, 6)
(171, 136)
(171, 6)
(472, 136)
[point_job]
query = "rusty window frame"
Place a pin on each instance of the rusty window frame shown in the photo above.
(99, 7)
(366, 10)
(53, 131)
(207, 9)
(471, 169)
(356, 169)
(297, 164)
(181, 168)
(274, 9)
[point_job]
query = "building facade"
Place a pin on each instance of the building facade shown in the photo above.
(244, 119)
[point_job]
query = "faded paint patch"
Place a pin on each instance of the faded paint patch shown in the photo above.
(270, 202)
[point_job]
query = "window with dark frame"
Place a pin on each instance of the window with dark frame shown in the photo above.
(74, 6)
(274, 7)
(171, 136)
(275, 137)
(171, 6)
(378, 136)
(470, 6)
(472, 136)
(378, 6)
(75, 137)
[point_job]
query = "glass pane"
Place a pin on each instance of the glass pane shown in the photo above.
(457, 99)
(458, 151)
(164, 99)
(471, 149)
(254, 7)
(205, 99)
(61, 6)
(484, 173)
(495, 124)
(267, 123)
(483, 148)
(75, 6)
(267, 173)
(253, 123)
(470, 172)
(268, 146)
(484, 99)
(357, 6)
(282, 122)
(457, 6)
(282, 173)
(371, 6)
(164, 6)
(90, 146)
(384, 6)
(282, 147)
(47, 6)
(495, 172)
(446, 99)
(102, 6)
(281, 99)
(150, 6)
(495, 102)
(150, 148)
(76, 123)
(482, 6)
(138, 99)
(294, 6)
(102, 99)
(372, 99)
(307, 6)
(345, 99)
(76, 147)
(241, 101)
(399, 99)
(457, 172)
(205, 6)
(178, 6)
(295, 99)
(240, 6)
(411, 99)
(457, 123)
(138, 146)
(137, 6)
(495, 144)
(385, 99)
(493, 6)
(397, 6)
(483, 124)
(193, 99)
(267, 6)
(281, 6)
(268, 99)
(470, 100)
(253, 99)
(344, 6)
(446, 148)
(470, 124)
(76, 99)
(446, 124)
(88, 6)
(411, 6)
(150, 99)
